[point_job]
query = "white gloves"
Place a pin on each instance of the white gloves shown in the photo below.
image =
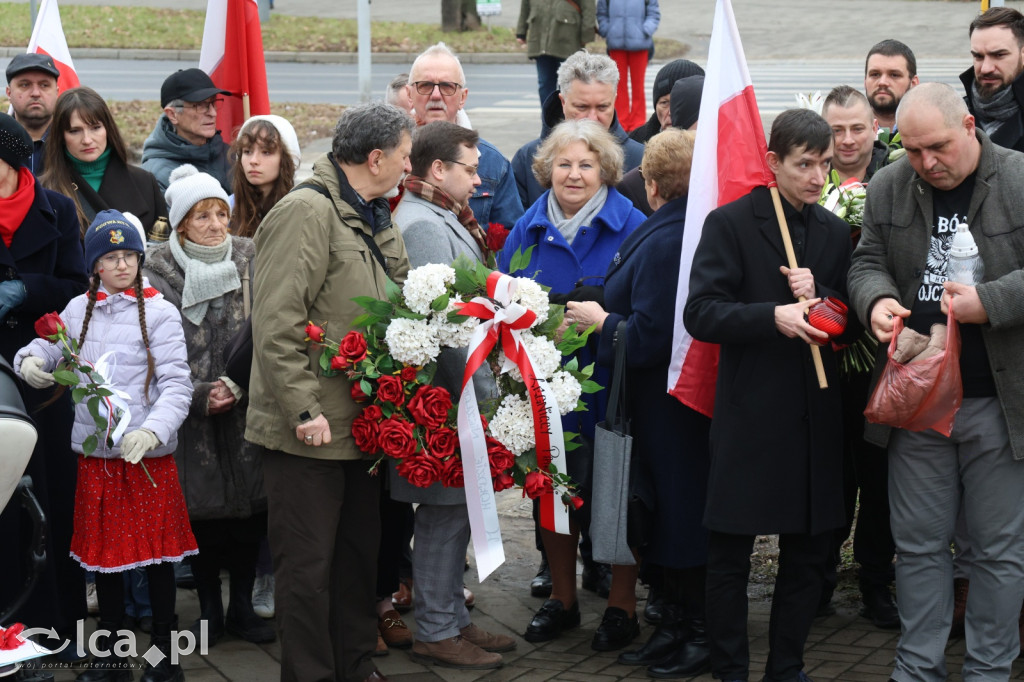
(33, 374)
(137, 443)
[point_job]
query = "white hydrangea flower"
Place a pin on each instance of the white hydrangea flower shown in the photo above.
(567, 391)
(531, 296)
(546, 357)
(413, 342)
(424, 284)
(512, 424)
(450, 334)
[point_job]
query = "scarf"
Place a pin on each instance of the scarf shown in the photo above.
(209, 274)
(14, 208)
(994, 112)
(91, 171)
(437, 196)
(570, 226)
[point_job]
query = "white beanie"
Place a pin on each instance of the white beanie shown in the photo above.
(285, 130)
(187, 187)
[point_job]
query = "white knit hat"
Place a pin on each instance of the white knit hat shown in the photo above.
(285, 130)
(187, 187)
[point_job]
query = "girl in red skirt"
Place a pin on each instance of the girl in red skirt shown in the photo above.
(122, 518)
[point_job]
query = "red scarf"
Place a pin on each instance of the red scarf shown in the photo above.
(464, 214)
(14, 208)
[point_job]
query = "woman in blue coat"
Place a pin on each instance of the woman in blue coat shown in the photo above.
(628, 27)
(576, 227)
(42, 267)
(670, 440)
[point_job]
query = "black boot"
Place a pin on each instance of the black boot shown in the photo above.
(108, 668)
(668, 636)
(164, 670)
(211, 606)
(241, 620)
(690, 659)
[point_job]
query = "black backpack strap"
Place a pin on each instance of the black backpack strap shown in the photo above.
(370, 244)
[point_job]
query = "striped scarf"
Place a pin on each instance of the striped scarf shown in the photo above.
(437, 196)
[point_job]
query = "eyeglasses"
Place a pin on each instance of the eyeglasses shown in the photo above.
(131, 259)
(208, 105)
(471, 169)
(447, 88)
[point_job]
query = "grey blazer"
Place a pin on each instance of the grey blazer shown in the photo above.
(433, 235)
(890, 260)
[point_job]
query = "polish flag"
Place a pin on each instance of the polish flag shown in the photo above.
(728, 162)
(232, 54)
(48, 38)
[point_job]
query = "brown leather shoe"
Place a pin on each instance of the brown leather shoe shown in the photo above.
(382, 646)
(403, 597)
(961, 586)
(393, 630)
(455, 652)
(488, 641)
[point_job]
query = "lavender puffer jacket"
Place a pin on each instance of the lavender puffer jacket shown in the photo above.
(115, 327)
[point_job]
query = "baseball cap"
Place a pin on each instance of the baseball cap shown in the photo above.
(31, 61)
(189, 85)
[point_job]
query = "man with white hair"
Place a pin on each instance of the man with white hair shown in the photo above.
(437, 88)
(952, 173)
(586, 89)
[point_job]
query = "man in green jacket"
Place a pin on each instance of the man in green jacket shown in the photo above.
(551, 30)
(321, 245)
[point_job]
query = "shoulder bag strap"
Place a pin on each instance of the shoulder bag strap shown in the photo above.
(370, 244)
(247, 289)
(615, 416)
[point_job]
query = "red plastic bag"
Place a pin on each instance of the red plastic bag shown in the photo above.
(921, 395)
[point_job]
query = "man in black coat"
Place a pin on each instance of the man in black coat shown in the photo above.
(776, 437)
(994, 87)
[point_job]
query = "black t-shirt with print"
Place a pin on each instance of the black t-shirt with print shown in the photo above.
(950, 207)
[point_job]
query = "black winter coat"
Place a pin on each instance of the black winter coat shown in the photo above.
(126, 189)
(776, 437)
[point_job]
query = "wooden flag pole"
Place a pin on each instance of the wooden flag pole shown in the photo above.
(245, 107)
(787, 242)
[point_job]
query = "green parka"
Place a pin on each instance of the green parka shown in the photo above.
(556, 28)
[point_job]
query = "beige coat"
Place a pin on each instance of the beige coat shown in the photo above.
(310, 263)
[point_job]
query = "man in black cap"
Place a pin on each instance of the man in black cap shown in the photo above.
(187, 130)
(32, 89)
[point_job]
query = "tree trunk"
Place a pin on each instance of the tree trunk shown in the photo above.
(450, 15)
(470, 19)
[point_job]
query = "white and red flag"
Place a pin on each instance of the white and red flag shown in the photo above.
(232, 54)
(728, 162)
(48, 38)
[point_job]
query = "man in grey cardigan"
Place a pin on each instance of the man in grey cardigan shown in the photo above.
(438, 226)
(953, 173)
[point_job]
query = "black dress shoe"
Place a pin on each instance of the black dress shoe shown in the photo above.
(879, 607)
(617, 629)
(540, 586)
(692, 658)
(655, 607)
(668, 636)
(597, 578)
(552, 618)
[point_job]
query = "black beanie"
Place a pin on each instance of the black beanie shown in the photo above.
(670, 73)
(15, 143)
(686, 101)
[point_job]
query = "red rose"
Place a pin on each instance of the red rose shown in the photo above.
(451, 473)
(576, 501)
(390, 390)
(503, 482)
(408, 374)
(314, 333)
(537, 483)
(430, 406)
(396, 437)
(353, 347)
(366, 432)
(499, 456)
(423, 471)
(373, 412)
(442, 442)
(357, 392)
(49, 326)
(496, 236)
(338, 363)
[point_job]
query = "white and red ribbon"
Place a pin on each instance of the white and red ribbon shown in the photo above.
(502, 321)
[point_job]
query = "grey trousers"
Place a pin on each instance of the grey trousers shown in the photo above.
(930, 477)
(438, 560)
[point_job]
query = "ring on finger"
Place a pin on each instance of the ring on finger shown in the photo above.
(309, 439)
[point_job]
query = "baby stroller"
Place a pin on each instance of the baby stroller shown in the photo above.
(18, 435)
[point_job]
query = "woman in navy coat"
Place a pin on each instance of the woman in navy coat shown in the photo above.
(670, 440)
(41, 268)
